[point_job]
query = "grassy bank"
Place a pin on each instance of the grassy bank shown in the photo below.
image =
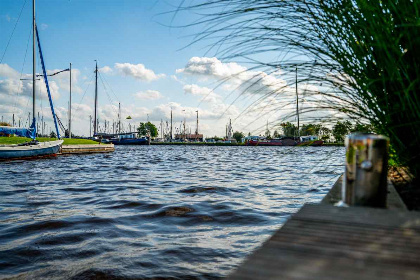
(19, 140)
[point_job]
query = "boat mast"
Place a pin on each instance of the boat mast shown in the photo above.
(70, 106)
(196, 130)
(171, 124)
(33, 60)
(297, 104)
(96, 100)
(119, 117)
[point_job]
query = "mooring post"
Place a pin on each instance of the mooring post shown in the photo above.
(365, 177)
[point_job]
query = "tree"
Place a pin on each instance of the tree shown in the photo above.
(289, 129)
(4, 124)
(325, 133)
(238, 136)
(267, 134)
(340, 130)
(276, 134)
(310, 129)
(364, 128)
(146, 129)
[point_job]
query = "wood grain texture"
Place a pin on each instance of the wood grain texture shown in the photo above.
(327, 242)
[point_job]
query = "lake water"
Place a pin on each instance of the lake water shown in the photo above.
(146, 212)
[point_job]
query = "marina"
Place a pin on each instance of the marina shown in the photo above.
(285, 149)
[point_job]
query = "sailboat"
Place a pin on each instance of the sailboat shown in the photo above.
(33, 149)
(310, 140)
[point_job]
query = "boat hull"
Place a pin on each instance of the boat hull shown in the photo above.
(42, 149)
(285, 142)
(131, 142)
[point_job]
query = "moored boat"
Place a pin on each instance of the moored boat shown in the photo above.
(284, 141)
(30, 150)
(33, 149)
(130, 139)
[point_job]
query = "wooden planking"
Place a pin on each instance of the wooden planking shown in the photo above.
(326, 242)
(87, 149)
(393, 202)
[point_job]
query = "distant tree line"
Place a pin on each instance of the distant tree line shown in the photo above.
(336, 134)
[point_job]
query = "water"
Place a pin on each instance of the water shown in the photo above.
(170, 212)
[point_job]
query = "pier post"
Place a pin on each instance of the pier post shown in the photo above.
(365, 177)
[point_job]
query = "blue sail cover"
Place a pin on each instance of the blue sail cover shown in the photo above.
(23, 132)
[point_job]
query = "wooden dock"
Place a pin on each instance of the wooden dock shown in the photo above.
(87, 149)
(322, 241)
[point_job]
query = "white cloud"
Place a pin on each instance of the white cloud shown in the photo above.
(105, 69)
(148, 95)
(211, 66)
(137, 71)
(207, 94)
(176, 79)
(237, 77)
(8, 72)
(63, 79)
(44, 26)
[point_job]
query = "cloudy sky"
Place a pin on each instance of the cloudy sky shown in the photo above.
(146, 63)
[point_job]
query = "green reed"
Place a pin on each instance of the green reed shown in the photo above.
(361, 57)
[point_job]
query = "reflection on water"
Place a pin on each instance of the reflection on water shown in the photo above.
(176, 212)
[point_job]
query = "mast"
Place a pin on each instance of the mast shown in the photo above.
(70, 106)
(196, 130)
(33, 60)
(161, 128)
(119, 117)
(185, 132)
(171, 124)
(95, 125)
(297, 104)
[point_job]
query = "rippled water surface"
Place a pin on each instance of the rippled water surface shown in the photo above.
(148, 212)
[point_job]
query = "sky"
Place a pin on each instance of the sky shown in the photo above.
(146, 63)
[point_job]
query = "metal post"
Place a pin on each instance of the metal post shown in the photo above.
(95, 124)
(171, 126)
(90, 125)
(119, 117)
(196, 131)
(33, 59)
(37, 126)
(161, 128)
(365, 178)
(13, 120)
(70, 106)
(185, 132)
(297, 104)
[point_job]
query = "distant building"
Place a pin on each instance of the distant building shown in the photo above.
(190, 137)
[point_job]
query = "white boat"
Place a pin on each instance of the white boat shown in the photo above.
(30, 150)
(34, 148)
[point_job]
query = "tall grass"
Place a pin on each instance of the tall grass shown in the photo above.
(361, 57)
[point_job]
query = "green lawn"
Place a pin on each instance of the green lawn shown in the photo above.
(18, 140)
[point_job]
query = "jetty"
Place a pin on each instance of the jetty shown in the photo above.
(323, 241)
(86, 149)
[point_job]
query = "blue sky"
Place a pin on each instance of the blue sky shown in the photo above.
(145, 64)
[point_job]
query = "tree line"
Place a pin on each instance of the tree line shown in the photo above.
(335, 134)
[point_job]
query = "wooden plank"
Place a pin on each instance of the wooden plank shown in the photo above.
(326, 242)
(394, 201)
(87, 148)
